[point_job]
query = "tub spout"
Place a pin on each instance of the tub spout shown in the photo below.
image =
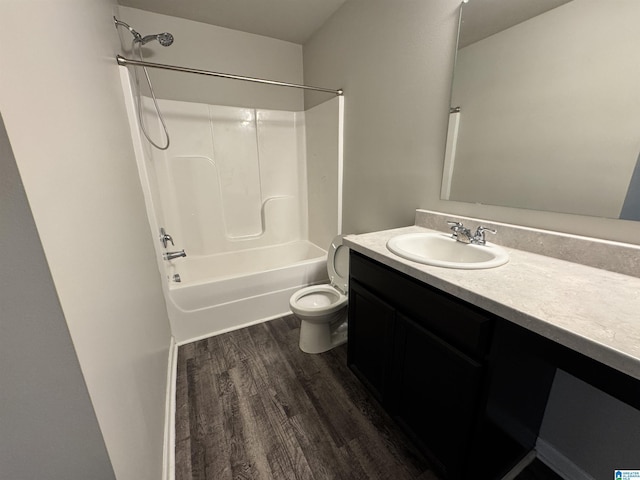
(172, 255)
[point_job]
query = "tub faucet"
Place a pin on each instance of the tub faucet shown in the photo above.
(172, 255)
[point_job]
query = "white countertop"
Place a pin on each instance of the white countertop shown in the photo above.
(592, 311)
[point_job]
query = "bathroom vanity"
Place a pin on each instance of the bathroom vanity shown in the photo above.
(464, 360)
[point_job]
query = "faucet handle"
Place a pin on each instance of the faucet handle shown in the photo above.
(455, 228)
(165, 238)
(478, 238)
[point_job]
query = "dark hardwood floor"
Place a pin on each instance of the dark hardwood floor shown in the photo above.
(251, 405)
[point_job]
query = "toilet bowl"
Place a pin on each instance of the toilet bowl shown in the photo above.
(322, 309)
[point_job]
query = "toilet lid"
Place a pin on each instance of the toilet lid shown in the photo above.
(338, 264)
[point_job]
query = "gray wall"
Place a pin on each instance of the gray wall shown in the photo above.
(69, 133)
(544, 121)
(394, 60)
(48, 428)
(598, 432)
(631, 206)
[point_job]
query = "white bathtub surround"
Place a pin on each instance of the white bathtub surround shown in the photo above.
(232, 178)
(215, 303)
(231, 190)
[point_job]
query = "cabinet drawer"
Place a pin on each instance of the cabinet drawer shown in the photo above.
(461, 324)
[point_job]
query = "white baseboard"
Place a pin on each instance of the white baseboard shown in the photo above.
(168, 461)
(237, 326)
(559, 463)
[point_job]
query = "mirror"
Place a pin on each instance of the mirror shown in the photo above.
(546, 107)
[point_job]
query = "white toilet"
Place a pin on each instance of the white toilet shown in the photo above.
(322, 309)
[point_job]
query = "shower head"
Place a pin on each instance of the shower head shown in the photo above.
(165, 39)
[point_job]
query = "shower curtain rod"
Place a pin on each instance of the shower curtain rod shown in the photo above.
(128, 61)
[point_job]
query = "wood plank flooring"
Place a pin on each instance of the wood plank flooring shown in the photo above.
(251, 405)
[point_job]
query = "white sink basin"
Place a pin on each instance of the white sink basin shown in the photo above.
(440, 250)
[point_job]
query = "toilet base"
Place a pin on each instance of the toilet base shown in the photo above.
(318, 337)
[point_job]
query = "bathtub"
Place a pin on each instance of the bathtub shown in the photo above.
(234, 191)
(256, 285)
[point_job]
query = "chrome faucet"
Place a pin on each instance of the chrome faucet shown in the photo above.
(461, 233)
(165, 238)
(172, 255)
(478, 238)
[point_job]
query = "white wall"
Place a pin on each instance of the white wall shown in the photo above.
(394, 60)
(207, 47)
(43, 396)
(62, 103)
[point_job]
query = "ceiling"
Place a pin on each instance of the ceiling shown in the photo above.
(297, 20)
(291, 20)
(482, 18)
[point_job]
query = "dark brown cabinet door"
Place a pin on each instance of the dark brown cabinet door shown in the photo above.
(468, 387)
(436, 394)
(370, 339)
